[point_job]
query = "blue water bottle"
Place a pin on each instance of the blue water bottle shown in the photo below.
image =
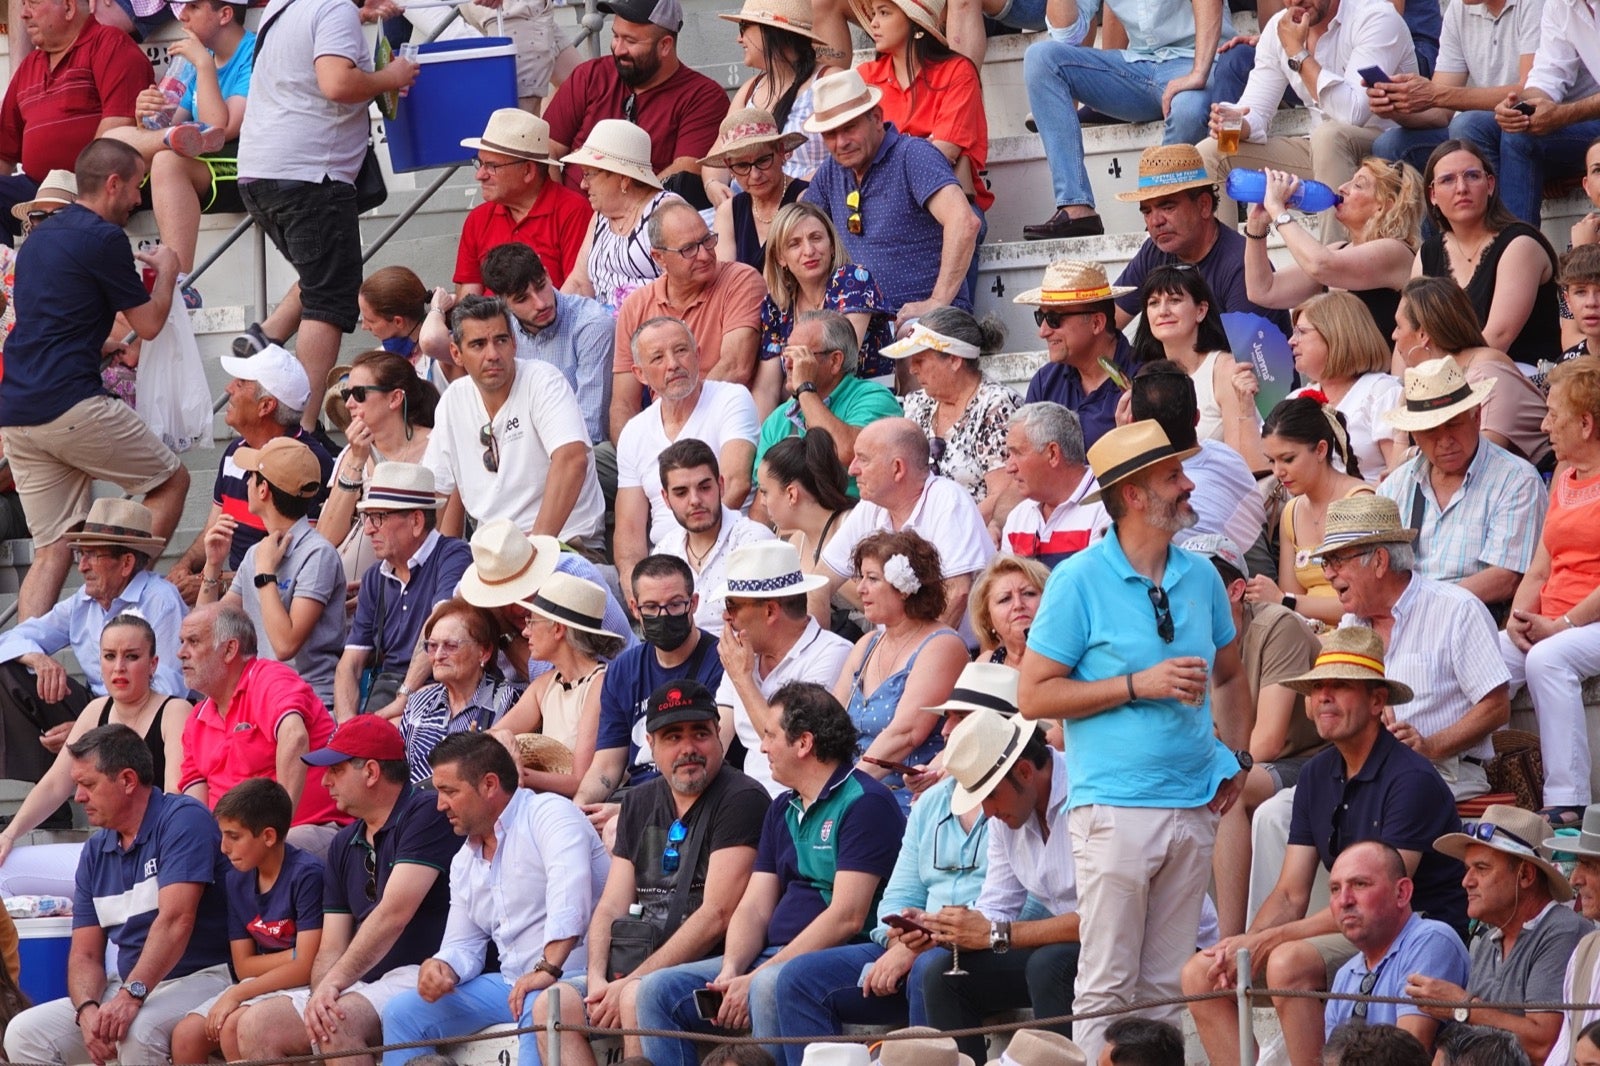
(1250, 187)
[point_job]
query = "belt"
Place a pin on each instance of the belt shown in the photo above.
(1474, 760)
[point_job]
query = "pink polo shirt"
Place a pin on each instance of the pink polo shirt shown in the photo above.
(225, 751)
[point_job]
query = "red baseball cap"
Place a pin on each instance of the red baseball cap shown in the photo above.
(366, 736)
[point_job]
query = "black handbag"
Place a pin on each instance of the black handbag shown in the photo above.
(635, 939)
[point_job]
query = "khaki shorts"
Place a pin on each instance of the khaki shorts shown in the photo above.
(57, 464)
(531, 25)
(1335, 950)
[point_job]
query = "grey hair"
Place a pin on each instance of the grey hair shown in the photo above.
(652, 323)
(286, 416)
(231, 623)
(655, 228)
(987, 335)
(837, 334)
(1050, 423)
(1402, 556)
(477, 309)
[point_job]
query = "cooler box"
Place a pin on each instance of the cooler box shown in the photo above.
(43, 945)
(459, 84)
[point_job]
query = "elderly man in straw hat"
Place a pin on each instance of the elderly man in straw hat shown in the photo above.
(1178, 197)
(418, 568)
(1476, 507)
(1525, 933)
(1077, 322)
(1367, 786)
(914, 230)
(1133, 640)
(520, 202)
(1581, 984)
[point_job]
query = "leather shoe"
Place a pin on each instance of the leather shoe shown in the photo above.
(1061, 225)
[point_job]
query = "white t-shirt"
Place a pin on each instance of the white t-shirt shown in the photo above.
(1224, 498)
(736, 532)
(725, 412)
(1363, 407)
(945, 516)
(540, 415)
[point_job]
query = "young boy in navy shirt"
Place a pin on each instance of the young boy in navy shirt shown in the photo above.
(274, 915)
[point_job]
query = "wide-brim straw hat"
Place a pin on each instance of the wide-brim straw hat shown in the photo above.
(768, 569)
(1359, 521)
(980, 752)
(122, 523)
(925, 14)
(983, 686)
(824, 1053)
(572, 601)
(746, 128)
(1352, 653)
(58, 189)
(838, 99)
(1586, 845)
(1072, 283)
(929, 1048)
(535, 751)
(1040, 1047)
(1435, 392)
(620, 147)
(1167, 169)
(333, 405)
(792, 15)
(1512, 831)
(1126, 450)
(514, 132)
(507, 564)
(401, 487)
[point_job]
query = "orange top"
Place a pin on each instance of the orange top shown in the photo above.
(949, 107)
(1569, 538)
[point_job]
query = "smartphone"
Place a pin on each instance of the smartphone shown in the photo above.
(1373, 75)
(1114, 372)
(898, 767)
(1524, 107)
(707, 1003)
(906, 925)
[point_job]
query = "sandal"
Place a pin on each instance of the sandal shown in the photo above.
(1563, 817)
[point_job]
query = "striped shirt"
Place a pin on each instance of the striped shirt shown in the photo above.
(1066, 531)
(427, 718)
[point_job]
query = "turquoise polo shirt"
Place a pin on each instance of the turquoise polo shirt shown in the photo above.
(1096, 618)
(854, 401)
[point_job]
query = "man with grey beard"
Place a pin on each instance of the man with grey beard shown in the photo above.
(699, 820)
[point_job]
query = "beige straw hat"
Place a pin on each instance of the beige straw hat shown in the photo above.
(1040, 1047)
(122, 523)
(1126, 450)
(1352, 653)
(991, 686)
(572, 601)
(1073, 283)
(838, 99)
(1167, 169)
(1436, 391)
(507, 565)
(514, 132)
(979, 753)
(792, 15)
(746, 128)
(1515, 832)
(926, 14)
(1361, 520)
(58, 189)
(620, 147)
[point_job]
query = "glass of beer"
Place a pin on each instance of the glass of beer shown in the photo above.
(1230, 128)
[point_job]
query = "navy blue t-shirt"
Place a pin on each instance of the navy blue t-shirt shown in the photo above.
(625, 696)
(416, 831)
(178, 843)
(275, 917)
(404, 610)
(229, 494)
(1097, 410)
(74, 273)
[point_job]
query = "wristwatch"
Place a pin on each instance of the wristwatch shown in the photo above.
(806, 386)
(136, 989)
(1000, 936)
(544, 965)
(1461, 1014)
(1283, 219)
(263, 580)
(1298, 58)
(1246, 760)
(1290, 600)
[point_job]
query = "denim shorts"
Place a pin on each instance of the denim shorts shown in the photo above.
(316, 227)
(1021, 15)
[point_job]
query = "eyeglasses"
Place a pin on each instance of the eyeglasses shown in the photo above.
(361, 392)
(93, 555)
(1339, 562)
(491, 448)
(759, 163)
(676, 835)
(484, 164)
(372, 875)
(449, 647)
(675, 609)
(374, 519)
(937, 446)
(1368, 983)
(38, 216)
(852, 200)
(693, 249)
(1158, 600)
(1053, 319)
(1465, 178)
(963, 863)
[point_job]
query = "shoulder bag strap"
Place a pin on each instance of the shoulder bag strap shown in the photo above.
(690, 857)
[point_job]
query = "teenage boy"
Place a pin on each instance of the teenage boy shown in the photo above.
(1580, 285)
(274, 915)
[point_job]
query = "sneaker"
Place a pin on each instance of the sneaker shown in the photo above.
(251, 341)
(194, 139)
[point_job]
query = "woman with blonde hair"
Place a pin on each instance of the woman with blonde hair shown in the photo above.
(1337, 346)
(1004, 601)
(1381, 209)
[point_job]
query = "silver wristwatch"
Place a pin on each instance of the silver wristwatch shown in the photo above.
(1298, 58)
(999, 936)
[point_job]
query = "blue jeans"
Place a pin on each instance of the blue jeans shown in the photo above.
(666, 1001)
(821, 993)
(1027, 15)
(1041, 977)
(473, 1005)
(1415, 146)
(1527, 161)
(1061, 75)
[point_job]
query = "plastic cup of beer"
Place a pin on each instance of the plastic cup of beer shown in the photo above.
(1229, 129)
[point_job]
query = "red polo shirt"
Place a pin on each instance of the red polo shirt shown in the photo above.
(225, 751)
(49, 116)
(554, 226)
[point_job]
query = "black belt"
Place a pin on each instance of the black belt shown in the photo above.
(1474, 760)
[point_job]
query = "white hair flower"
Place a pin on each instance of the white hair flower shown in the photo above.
(898, 572)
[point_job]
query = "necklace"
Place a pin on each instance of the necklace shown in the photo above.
(768, 220)
(698, 559)
(1472, 257)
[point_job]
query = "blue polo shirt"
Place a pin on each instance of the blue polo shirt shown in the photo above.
(73, 275)
(854, 824)
(416, 831)
(436, 570)
(899, 242)
(625, 697)
(1396, 797)
(177, 843)
(1097, 410)
(272, 920)
(1096, 618)
(1424, 946)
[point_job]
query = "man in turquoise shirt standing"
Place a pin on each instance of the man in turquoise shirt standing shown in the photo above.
(1132, 638)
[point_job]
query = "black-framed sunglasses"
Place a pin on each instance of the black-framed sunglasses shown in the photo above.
(1359, 1010)
(1163, 608)
(1053, 319)
(758, 163)
(491, 448)
(372, 875)
(677, 833)
(37, 216)
(630, 107)
(361, 392)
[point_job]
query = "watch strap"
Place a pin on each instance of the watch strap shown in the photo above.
(544, 965)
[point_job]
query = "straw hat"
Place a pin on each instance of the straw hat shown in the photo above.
(926, 14)
(825, 1054)
(1436, 391)
(933, 1049)
(749, 127)
(514, 132)
(333, 405)
(1586, 845)
(1072, 283)
(400, 487)
(620, 147)
(1361, 520)
(507, 565)
(535, 751)
(838, 99)
(119, 523)
(980, 751)
(1039, 1047)
(791, 15)
(1515, 832)
(572, 601)
(983, 686)
(1126, 450)
(1167, 169)
(58, 189)
(287, 465)
(767, 569)
(1353, 653)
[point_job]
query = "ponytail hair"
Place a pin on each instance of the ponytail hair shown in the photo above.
(1310, 420)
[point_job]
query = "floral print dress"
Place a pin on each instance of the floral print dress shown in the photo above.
(976, 444)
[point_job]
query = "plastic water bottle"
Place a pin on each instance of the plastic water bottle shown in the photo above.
(1250, 187)
(172, 86)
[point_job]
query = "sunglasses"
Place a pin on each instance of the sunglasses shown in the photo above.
(852, 200)
(1368, 983)
(963, 862)
(630, 107)
(37, 216)
(361, 392)
(676, 835)
(491, 448)
(1053, 319)
(1487, 831)
(937, 446)
(1158, 600)
(372, 876)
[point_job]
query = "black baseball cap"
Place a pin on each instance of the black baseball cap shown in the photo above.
(668, 14)
(686, 700)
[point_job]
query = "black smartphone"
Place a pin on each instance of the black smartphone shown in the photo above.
(1373, 75)
(707, 1003)
(1523, 106)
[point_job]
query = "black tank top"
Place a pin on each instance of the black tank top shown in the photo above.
(152, 737)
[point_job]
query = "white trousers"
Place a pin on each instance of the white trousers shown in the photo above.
(1554, 670)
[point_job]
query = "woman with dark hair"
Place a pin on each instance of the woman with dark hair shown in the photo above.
(752, 146)
(1182, 321)
(910, 660)
(965, 413)
(802, 486)
(459, 640)
(1506, 265)
(1306, 442)
(393, 304)
(391, 415)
